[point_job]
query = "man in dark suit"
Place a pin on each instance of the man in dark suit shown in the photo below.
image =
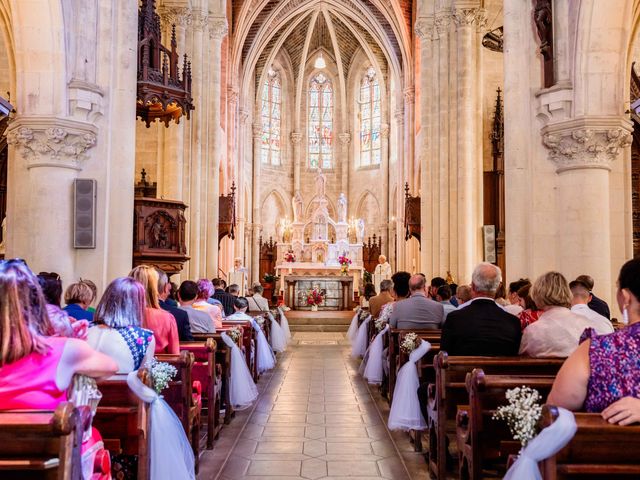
(182, 319)
(226, 299)
(596, 304)
(482, 327)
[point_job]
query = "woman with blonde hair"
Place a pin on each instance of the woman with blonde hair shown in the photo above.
(558, 330)
(160, 322)
(78, 297)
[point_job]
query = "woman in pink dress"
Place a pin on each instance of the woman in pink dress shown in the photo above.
(36, 370)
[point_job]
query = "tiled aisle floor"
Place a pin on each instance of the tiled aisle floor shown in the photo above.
(315, 419)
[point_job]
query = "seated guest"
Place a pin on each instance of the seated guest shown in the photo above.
(78, 297)
(500, 296)
(444, 297)
(376, 303)
(369, 292)
(401, 285)
(558, 330)
(182, 319)
(51, 286)
(513, 306)
(454, 298)
(205, 290)
(241, 306)
(579, 305)
(234, 290)
(482, 327)
(463, 294)
(226, 299)
(436, 283)
(117, 331)
(602, 374)
(417, 311)
(530, 313)
(200, 322)
(596, 304)
(160, 322)
(94, 291)
(172, 299)
(257, 302)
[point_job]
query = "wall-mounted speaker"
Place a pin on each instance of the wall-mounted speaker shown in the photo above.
(489, 235)
(84, 213)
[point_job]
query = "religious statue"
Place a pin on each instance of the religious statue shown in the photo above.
(360, 231)
(297, 207)
(342, 208)
(321, 182)
(159, 235)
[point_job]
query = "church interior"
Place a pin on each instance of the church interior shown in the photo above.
(297, 149)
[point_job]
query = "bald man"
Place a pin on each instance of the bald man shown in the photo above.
(417, 312)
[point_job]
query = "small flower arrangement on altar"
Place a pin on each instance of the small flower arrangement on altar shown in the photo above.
(315, 297)
(522, 413)
(289, 256)
(271, 278)
(410, 342)
(235, 334)
(344, 262)
(161, 374)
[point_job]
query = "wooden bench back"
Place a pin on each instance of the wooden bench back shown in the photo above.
(598, 449)
(249, 344)
(41, 444)
(123, 420)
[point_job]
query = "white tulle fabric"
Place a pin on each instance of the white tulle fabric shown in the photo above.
(373, 370)
(170, 454)
(278, 336)
(266, 359)
(284, 323)
(405, 410)
(548, 442)
(353, 327)
(242, 389)
(361, 342)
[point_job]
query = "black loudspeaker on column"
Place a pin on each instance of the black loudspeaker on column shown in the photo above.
(84, 213)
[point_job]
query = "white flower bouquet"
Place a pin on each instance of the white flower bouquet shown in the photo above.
(380, 323)
(235, 334)
(260, 320)
(386, 312)
(161, 374)
(522, 413)
(410, 342)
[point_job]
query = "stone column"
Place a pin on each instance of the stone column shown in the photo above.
(386, 190)
(468, 169)
(217, 31)
(257, 164)
(243, 246)
(345, 140)
(411, 166)
(296, 138)
(583, 151)
(402, 175)
(47, 154)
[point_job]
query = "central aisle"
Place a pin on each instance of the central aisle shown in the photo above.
(315, 419)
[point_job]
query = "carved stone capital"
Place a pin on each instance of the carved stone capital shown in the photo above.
(232, 95)
(409, 94)
(345, 138)
(257, 130)
(384, 130)
(442, 21)
(218, 28)
(199, 21)
(51, 141)
(469, 17)
(244, 116)
(180, 16)
(587, 142)
(399, 116)
(425, 28)
(295, 137)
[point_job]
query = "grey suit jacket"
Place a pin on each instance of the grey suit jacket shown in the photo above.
(417, 312)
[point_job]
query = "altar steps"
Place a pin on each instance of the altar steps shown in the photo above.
(322, 321)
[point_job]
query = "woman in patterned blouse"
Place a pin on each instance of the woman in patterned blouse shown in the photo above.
(603, 374)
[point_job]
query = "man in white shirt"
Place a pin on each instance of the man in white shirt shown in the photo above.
(579, 305)
(443, 296)
(240, 305)
(257, 302)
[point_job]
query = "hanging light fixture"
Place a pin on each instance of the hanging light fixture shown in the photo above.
(320, 63)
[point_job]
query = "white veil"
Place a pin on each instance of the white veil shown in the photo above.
(242, 389)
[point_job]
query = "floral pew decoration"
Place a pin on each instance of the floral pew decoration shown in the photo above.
(242, 389)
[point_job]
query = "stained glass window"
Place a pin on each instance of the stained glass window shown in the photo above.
(320, 121)
(271, 114)
(370, 119)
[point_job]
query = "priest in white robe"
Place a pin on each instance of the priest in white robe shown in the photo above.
(381, 272)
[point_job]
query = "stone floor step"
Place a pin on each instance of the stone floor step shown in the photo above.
(318, 328)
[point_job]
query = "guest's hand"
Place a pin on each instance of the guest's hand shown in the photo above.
(80, 328)
(623, 412)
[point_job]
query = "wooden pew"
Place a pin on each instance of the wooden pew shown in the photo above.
(209, 374)
(480, 439)
(181, 397)
(123, 420)
(393, 344)
(42, 444)
(598, 449)
(449, 391)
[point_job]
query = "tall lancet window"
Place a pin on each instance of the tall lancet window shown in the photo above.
(271, 113)
(370, 119)
(320, 121)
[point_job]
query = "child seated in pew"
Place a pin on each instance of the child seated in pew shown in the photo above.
(603, 374)
(37, 369)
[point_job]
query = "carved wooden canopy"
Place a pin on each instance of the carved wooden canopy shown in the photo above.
(162, 94)
(227, 214)
(411, 215)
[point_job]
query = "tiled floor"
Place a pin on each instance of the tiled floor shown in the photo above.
(315, 419)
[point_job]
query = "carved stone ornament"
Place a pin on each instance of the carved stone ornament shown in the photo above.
(425, 28)
(345, 138)
(218, 28)
(384, 130)
(295, 137)
(175, 16)
(257, 130)
(467, 17)
(586, 146)
(442, 22)
(52, 142)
